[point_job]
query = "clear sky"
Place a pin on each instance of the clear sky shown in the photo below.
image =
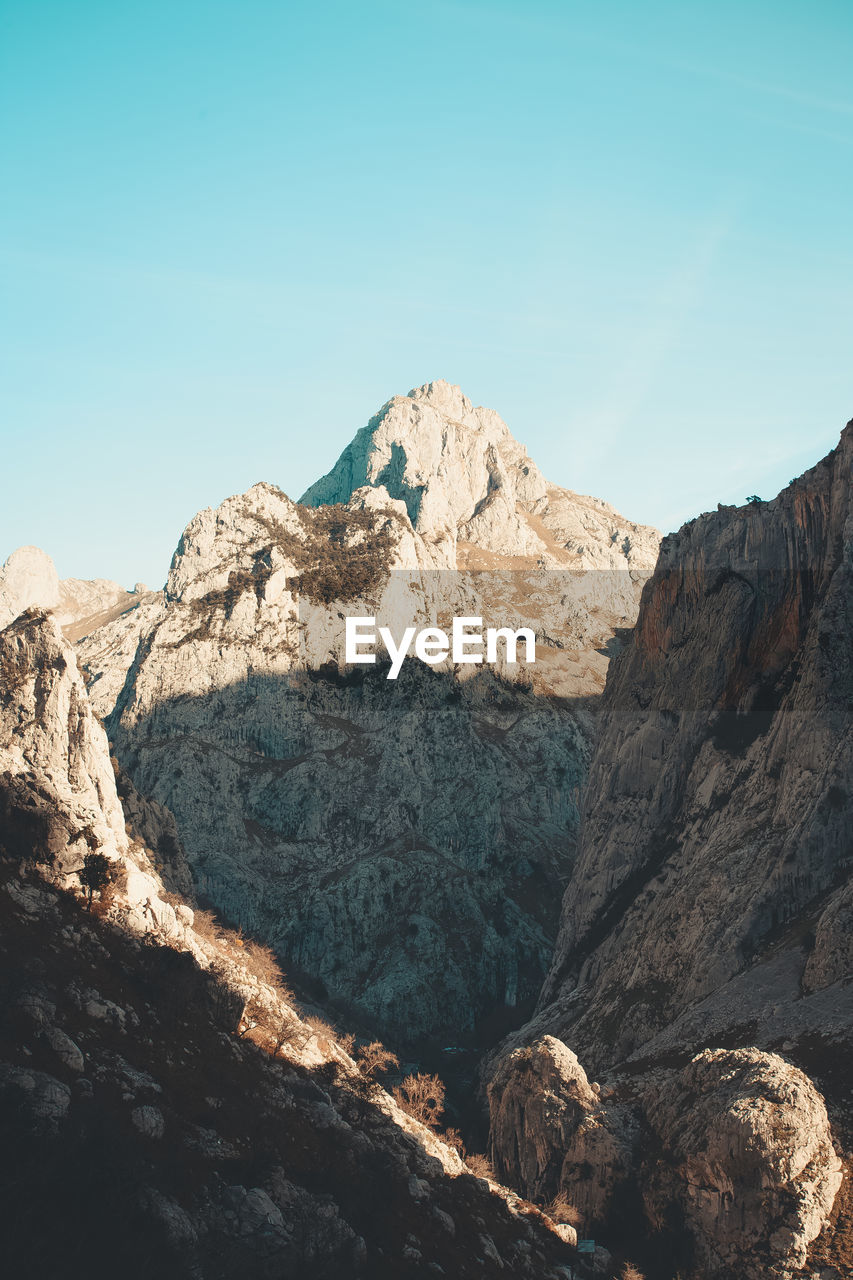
(230, 231)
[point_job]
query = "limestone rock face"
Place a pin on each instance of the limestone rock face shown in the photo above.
(403, 841)
(48, 732)
(750, 1159)
(379, 834)
(736, 1145)
(719, 805)
(106, 650)
(28, 579)
(82, 602)
(537, 1100)
(300, 1166)
(58, 784)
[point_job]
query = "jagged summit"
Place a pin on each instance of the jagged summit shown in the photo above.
(444, 396)
(474, 492)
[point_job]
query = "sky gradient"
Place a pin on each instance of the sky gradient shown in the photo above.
(229, 232)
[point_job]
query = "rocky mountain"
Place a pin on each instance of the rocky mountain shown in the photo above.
(165, 1105)
(703, 967)
(404, 843)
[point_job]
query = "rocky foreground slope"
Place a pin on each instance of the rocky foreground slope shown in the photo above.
(403, 842)
(165, 1108)
(703, 965)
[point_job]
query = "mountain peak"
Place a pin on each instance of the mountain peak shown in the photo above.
(473, 492)
(445, 397)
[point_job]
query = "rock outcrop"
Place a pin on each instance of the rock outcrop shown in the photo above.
(747, 1156)
(728, 1161)
(538, 1099)
(58, 783)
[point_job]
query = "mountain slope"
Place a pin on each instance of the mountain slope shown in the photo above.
(164, 1106)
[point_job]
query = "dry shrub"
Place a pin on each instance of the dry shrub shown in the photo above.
(422, 1097)
(323, 1030)
(362, 1089)
(630, 1272)
(288, 1033)
(375, 1060)
(479, 1165)
(453, 1138)
(116, 885)
(562, 1210)
(262, 963)
(320, 1026)
(206, 925)
(533, 1211)
(346, 1041)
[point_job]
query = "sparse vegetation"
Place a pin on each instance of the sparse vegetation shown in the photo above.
(288, 1033)
(116, 885)
(323, 1030)
(375, 1060)
(561, 1209)
(206, 925)
(422, 1097)
(95, 874)
(454, 1139)
(479, 1165)
(348, 566)
(262, 962)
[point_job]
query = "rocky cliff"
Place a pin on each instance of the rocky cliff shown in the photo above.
(709, 906)
(405, 842)
(717, 819)
(165, 1106)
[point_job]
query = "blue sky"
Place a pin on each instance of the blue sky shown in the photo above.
(229, 232)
